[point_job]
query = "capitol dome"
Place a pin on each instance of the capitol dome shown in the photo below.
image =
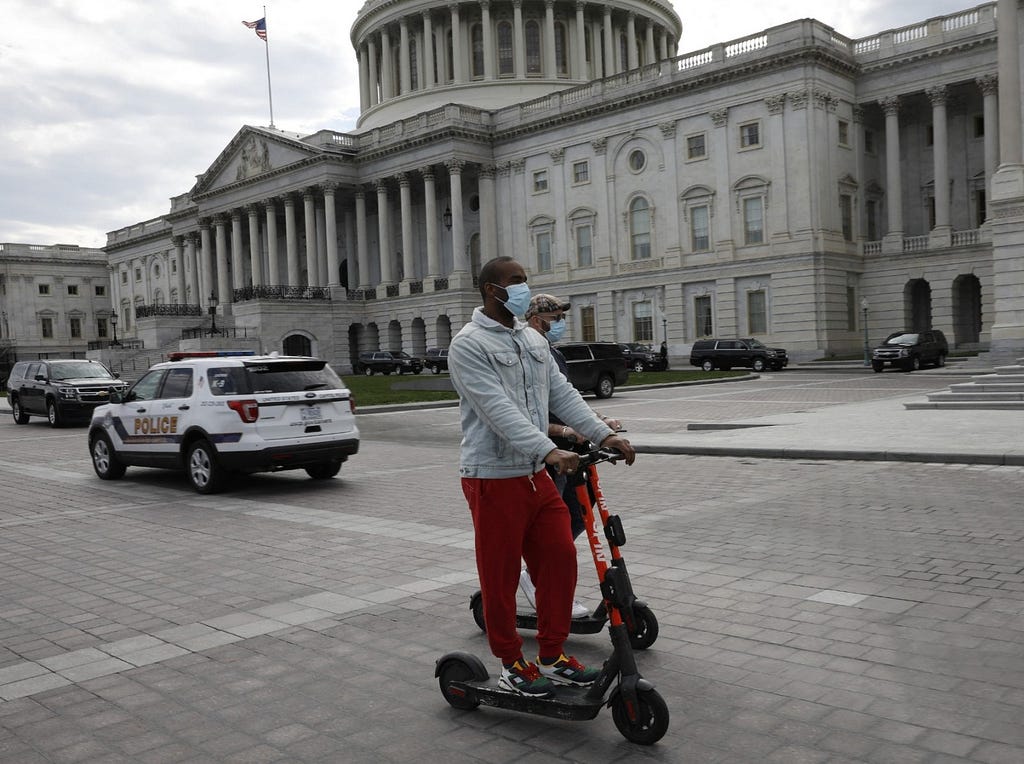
(494, 53)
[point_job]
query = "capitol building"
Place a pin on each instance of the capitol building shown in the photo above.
(789, 185)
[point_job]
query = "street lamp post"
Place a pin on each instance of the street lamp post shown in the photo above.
(867, 342)
(113, 325)
(213, 313)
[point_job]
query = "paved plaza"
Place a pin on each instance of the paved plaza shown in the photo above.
(826, 607)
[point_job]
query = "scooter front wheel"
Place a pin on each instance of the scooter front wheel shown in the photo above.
(650, 722)
(645, 630)
(459, 668)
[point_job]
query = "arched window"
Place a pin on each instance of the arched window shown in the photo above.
(640, 229)
(533, 59)
(623, 53)
(476, 42)
(414, 64)
(561, 50)
(450, 76)
(506, 64)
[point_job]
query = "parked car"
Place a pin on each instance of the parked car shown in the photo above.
(63, 390)
(911, 350)
(746, 352)
(213, 413)
(595, 367)
(436, 360)
(640, 357)
(386, 362)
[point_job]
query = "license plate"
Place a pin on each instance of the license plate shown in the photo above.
(311, 413)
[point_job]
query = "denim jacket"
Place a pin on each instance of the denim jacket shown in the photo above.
(507, 382)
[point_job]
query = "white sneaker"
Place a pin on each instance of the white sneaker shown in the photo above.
(528, 588)
(579, 610)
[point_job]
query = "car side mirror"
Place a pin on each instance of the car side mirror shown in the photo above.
(40, 377)
(117, 375)
(115, 396)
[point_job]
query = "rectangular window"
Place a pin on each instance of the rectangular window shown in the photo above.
(100, 290)
(76, 328)
(543, 251)
(73, 290)
(585, 245)
(979, 126)
(540, 181)
(44, 289)
(753, 220)
(750, 135)
(588, 325)
(47, 325)
(846, 215)
(702, 316)
(844, 133)
(581, 172)
(980, 213)
(101, 327)
(851, 309)
(174, 266)
(872, 214)
(869, 141)
(643, 322)
(699, 234)
(931, 212)
(757, 313)
(138, 274)
(505, 49)
(696, 147)
(929, 135)
(124, 277)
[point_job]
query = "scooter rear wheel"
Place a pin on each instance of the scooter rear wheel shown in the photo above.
(646, 629)
(476, 604)
(651, 721)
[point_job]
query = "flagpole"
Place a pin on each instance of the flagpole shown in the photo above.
(270, 93)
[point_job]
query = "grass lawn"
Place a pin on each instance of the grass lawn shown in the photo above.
(379, 389)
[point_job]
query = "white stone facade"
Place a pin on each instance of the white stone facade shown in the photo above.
(763, 187)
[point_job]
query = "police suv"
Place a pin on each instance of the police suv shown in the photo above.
(213, 413)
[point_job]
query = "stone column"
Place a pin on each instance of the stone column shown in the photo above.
(361, 247)
(321, 246)
(860, 229)
(459, 260)
(1010, 130)
(404, 63)
(649, 43)
(351, 263)
(519, 39)
(597, 34)
(457, 64)
(893, 181)
(609, 44)
(488, 214)
(940, 160)
(237, 266)
(209, 258)
(387, 74)
(550, 64)
(581, 42)
(364, 78)
(631, 42)
(989, 85)
(192, 258)
(179, 258)
(223, 277)
(331, 229)
(430, 213)
(309, 208)
(255, 248)
(405, 197)
(485, 10)
(664, 44)
(384, 234)
(273, 275)
(291, 235)
(374, 79)
(428, 50)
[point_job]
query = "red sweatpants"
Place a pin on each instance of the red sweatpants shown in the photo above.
(517, 519)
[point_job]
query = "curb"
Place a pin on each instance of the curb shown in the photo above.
(1007, 459)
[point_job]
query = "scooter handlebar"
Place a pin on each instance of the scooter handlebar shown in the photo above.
(596, 455)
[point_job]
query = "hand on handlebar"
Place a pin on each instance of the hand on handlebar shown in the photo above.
(565, 462)
(619, 443)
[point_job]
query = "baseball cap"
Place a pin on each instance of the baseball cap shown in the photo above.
(546, 303)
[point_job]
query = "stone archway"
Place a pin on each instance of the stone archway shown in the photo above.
(917, 295)
(967, 313)
(297, 344)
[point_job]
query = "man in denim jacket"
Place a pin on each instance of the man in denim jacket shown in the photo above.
(507, 382)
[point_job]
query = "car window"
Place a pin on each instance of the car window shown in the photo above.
(146, 388)
(757, 344)
(178, 384)
(33, 369)
(902, 339)
(575, 352)
(292, 376)
(227, 380)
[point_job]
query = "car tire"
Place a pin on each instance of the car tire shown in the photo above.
(368, 371)
(416, 371)
(324, 471)
(757, 365)
(707, 364)
(605, 387)
(104, 458)
(638, 367)
(53, 415)
(915, 364)
(20, 417)
(204, 471)
(877, 367)
(941, 361)
(436, 369)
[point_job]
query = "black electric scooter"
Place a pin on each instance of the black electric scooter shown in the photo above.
(639, 712)
(640, 620)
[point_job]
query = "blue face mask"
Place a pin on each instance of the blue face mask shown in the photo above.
(518, 298)
(557, 330)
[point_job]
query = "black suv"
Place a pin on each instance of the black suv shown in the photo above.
(724, 354)
(436, 360)
(640, 357)
(595, 367)
(385, 362)
(911, 350)
(62, 390)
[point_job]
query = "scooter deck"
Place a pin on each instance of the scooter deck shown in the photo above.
(586, 625)
(569, 703)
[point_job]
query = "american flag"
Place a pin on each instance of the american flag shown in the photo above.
(260, 26)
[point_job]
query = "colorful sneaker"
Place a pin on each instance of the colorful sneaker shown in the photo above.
(568, 670)
(524, 678)
(579, 610)
(529, 590)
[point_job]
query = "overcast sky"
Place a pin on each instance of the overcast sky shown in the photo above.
(110, 107)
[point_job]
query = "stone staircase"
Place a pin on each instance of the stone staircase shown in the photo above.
(1003, 388)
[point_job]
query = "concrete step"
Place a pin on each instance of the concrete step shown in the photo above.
(976, 396)
(1016, 370)
(988, 386)
(967, 405)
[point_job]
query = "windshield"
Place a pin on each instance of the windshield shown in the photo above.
(902, 339)
(292, 376)
(755, 344)
(400, 354)
(83, 370)
(638, 347)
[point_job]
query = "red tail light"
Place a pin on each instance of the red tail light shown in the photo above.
(352, 403)
(248, 410)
